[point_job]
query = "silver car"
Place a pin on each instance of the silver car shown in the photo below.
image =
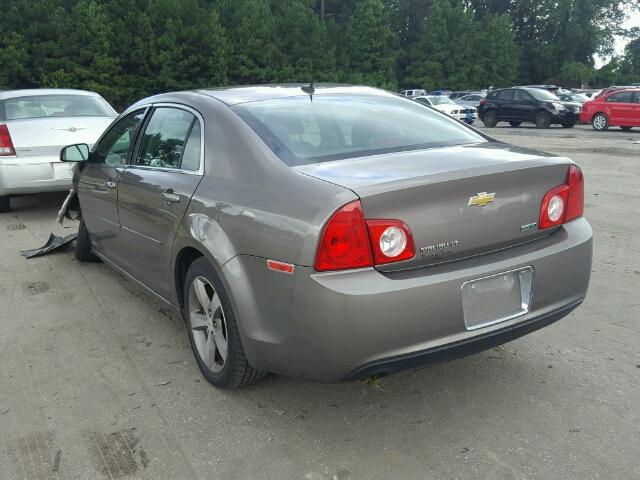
(331, 232)
(34, 126)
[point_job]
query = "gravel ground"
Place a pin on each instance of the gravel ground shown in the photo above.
(97, 379)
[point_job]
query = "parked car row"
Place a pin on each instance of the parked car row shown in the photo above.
(618, 107)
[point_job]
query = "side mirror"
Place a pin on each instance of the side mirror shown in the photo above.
(75, 153)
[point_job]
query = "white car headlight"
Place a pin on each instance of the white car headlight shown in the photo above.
(557, 106)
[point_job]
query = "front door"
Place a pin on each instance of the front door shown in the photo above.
(155, 190)
(98, 182)
(523, 109)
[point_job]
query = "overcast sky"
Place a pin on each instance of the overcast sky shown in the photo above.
(632, 21)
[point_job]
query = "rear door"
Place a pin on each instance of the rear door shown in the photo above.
(621, 108)
(98, 182)
(155, 190)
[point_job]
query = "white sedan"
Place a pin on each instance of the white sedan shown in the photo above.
(448, 106)
(34, 126)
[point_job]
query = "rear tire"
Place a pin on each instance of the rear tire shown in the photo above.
(515, 124)
(625, 129)
(5, 203)
(490, 119)
(600, 122)
(543, 120)
(213, 331)
(83, 245)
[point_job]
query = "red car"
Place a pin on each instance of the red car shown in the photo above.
(618, 108)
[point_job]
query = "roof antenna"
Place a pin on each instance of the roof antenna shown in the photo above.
(310, 89)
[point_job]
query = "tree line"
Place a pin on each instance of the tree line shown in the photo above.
(128, 49)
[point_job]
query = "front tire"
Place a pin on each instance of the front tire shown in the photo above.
(600, 122)
(5, 203)
(213, 331)
(84, 253)
(543, 120)
(490, 119)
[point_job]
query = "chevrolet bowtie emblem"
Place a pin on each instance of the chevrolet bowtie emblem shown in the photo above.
(482, 199)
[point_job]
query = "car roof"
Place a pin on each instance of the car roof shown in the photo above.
(4, 94)
(255, 93)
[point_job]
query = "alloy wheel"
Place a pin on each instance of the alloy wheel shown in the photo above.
(208, 324)
(599, 122)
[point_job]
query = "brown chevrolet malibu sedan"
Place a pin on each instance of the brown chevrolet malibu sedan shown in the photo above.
(330, 232)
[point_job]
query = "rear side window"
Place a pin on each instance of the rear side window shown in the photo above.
(505, 95)
(621, 97)
(43, 106)
(163, 141)
(301, 130)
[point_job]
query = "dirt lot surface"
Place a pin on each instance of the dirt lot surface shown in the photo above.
(97, 379)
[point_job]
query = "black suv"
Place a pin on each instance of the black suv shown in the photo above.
(525, 104)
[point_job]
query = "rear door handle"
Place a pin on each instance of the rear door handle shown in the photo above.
(169, 197)
(110, 185)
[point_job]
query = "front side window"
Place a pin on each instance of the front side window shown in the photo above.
(300, 130)
(522, 96)
(621, 97)
(43, 106)
(115, 147)
(163, 141)
(505, 95)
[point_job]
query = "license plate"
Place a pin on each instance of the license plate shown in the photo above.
(497, 298)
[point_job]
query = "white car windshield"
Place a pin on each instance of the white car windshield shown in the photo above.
(440, 100)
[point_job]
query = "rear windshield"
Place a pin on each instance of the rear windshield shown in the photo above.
(43, 106)
(301, 130)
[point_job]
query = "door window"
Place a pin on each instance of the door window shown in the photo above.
(115, 147)
(621, 97)
(522, 97)
(636, 97)
(164, 142)
(505, 95)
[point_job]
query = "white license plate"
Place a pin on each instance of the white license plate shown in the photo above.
(497, 298)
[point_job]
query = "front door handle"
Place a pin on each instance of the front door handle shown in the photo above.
(110, 185)
(169, 197)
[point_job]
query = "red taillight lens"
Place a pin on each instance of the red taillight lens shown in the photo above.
(391, 241)
(575, 203)
(563, 203)
(6, 145)
(345, 241)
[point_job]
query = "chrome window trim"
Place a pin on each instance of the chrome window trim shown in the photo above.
(200, 118)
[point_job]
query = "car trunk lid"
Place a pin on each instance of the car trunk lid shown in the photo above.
(438, 193)
(35, 137)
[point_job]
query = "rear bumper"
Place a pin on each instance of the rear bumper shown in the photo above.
(21, 175)
(343, 325)
(461, 348)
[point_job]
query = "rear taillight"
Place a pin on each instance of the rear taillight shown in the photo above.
(6, 145)
(345, 242)
(391, 241)
(575, 202)
(349, 241)
(563, 203)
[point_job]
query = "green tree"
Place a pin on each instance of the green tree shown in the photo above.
(366, 52)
